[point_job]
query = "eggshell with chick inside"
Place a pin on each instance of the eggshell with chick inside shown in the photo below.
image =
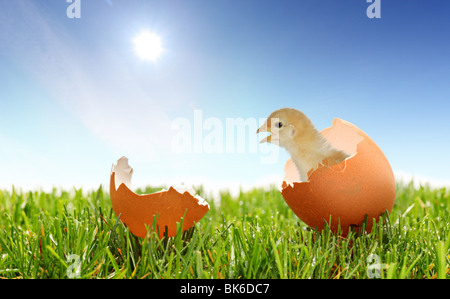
(342, 195)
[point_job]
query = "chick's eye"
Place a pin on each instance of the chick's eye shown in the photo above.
(279, 124)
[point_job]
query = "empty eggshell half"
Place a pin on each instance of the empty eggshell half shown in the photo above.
(363, 184)
(138, 211)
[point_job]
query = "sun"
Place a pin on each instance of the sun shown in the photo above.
(148, 46)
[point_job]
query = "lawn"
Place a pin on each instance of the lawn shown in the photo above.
(75, 234)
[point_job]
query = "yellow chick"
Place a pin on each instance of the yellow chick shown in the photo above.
(294, 131)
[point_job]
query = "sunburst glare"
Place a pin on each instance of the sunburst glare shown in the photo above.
(148, 46)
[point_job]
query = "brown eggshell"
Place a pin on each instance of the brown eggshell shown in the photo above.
(137, 211)
(363, 184)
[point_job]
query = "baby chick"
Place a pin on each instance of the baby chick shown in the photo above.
(294, 131)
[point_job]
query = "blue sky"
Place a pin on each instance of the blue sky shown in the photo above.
(74, 96)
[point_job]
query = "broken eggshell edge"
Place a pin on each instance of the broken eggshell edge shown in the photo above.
(138, 211)
(342, 195)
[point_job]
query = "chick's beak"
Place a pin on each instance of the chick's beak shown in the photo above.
(264, 129)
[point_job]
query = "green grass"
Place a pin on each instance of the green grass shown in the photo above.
(64, 234)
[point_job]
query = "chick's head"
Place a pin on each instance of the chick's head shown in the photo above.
(287, 126)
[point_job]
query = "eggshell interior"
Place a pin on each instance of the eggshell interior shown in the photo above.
(363, 184)
(137, 211)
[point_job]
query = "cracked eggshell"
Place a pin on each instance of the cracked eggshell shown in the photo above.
(363, 184)
(137, 211)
